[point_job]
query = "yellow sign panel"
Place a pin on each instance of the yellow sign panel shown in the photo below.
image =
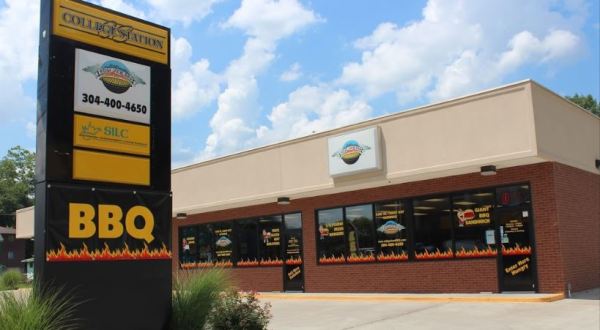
(95, 26)
(104, 134)
(100, 166)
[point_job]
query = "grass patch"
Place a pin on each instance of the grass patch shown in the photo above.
(41, 308)
(11, 279)
(194, 296)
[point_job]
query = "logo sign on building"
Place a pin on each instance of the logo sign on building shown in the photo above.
(103, 189)
(354, 152)
(111, 87)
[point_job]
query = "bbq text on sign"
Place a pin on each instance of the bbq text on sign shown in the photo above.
(109, 223)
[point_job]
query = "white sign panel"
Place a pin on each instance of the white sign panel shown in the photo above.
(354, 152)
(111, 87)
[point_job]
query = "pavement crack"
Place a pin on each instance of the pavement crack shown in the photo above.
(395, 316)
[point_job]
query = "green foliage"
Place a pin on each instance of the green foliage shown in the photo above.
(587, 102)
(39, 309)
(239, 311)
(16, 183)
(194, 296)
(11, 279)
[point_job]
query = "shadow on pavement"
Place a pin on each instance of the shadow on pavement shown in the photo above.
(592, 294)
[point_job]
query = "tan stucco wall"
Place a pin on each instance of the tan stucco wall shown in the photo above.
(565, 132)
(25, 222)
(518, 124)
(449, 138)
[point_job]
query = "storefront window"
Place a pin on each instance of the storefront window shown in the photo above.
(270, 241)
(223, 240)
(247, 243)
(512, 195)
(205, 246)
(293, 239)
(187, 245)
(360, 233)
(392, 233)
(332, 248)
(433, 228)
(474, 234)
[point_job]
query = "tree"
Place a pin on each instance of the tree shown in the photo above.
(588, 102)
(16, 183)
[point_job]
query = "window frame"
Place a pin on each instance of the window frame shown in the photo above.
(408, 204)
(235, 240)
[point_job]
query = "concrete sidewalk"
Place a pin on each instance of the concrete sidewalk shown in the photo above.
(296, 311)
(397, 297)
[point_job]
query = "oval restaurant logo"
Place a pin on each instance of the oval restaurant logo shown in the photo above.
(223, 241)
(115, 76)
(390, 228)
(351, 151)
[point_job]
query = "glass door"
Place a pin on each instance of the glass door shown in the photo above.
(515, 262)
(293, 270)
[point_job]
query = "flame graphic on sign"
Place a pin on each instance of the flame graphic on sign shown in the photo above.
(107, 254)
(361, 258)
(294, 261)
(434, 255)
(516, 251)
(247, 263)
(271, 262)
(475, 253)
(392, 257)
(332, 260)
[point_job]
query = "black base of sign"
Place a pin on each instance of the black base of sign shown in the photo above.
(111, 292)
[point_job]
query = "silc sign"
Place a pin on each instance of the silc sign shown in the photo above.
(111, 135)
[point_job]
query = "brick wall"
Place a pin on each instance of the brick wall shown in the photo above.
(17, 246)
(578, 206)
(461, 275)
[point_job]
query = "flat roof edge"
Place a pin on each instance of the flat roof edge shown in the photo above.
(382, 118)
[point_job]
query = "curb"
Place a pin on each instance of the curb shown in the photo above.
(418, 298)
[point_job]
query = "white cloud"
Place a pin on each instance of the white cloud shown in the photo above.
(291, 74)
(271, 20)
(18, 58)
(311, 109)
(265, 22)
(185, 11)
(123, 7)
(165, 11)
(194, 85)
(459, 47)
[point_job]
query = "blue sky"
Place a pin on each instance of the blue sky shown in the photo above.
(250, 73)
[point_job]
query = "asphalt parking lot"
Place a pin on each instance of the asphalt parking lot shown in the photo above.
(580, 312)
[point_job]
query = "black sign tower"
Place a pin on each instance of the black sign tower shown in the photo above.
(103, 188)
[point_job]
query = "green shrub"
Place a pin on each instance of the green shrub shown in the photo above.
(194, 295)
(11, 279)
(40, 308)
(239, 311)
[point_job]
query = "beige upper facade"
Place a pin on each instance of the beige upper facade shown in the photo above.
(25, 223)
(517, 124)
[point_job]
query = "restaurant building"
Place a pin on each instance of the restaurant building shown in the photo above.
(492, 192)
